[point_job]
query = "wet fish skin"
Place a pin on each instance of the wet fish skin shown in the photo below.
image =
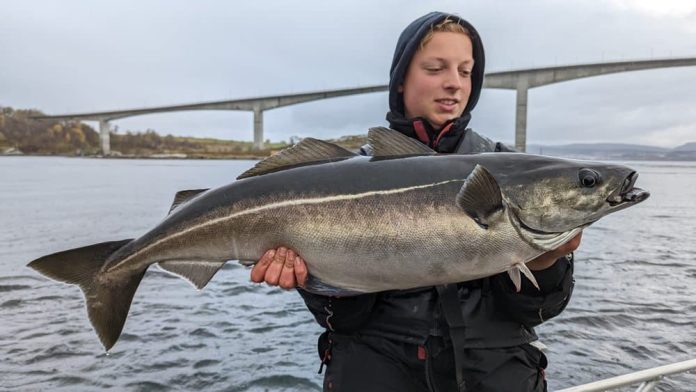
(362, 224)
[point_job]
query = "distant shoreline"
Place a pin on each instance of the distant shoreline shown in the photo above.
(261, 157)
(153, 157)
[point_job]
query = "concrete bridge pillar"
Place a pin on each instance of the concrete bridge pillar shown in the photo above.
(104, 137)
(258, 128)
(521, 117)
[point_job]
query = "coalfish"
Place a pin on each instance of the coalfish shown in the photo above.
(405, 217)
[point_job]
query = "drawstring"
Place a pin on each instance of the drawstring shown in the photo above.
(326, 356)
(329, 315)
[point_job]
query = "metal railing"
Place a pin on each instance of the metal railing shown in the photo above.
(648, 378)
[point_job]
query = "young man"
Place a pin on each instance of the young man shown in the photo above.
(473, 336)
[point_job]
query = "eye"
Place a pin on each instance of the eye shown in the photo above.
(589, 178)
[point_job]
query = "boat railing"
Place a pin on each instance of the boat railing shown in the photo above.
(648, 378)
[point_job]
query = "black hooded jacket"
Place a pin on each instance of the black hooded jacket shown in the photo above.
(494, 314)
(446, 139)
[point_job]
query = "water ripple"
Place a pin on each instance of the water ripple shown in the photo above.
(632, 308)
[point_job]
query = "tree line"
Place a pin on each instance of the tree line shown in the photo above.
(30, 136)
(50, 137)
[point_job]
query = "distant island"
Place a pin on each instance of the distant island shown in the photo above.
(617, 151)
(22, 135)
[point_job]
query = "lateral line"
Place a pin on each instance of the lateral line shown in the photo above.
(281, 204)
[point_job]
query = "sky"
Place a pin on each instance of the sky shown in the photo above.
(75, 56)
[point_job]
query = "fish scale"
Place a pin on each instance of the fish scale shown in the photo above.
(403, 218)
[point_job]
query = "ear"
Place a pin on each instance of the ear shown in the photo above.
(400, 89)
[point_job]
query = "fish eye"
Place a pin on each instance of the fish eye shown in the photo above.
(589, 178)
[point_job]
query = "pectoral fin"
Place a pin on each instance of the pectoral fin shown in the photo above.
(480, 196)
(514, 273)
(197, 272)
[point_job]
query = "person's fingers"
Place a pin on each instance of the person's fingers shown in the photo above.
(259, 271)
(287, 276)
(300, 271)
(276, 267)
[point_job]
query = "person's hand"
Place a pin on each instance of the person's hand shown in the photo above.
(549, 258)
(280, 267)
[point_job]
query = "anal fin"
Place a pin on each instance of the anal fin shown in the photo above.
(198, 272)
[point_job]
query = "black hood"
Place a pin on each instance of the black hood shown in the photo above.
(406, 47)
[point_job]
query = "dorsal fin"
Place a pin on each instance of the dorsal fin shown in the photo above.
(480, 196)
(307, 151)
(385, 141)
(184, 196)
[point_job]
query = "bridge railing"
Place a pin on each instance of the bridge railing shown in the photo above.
(648, 378)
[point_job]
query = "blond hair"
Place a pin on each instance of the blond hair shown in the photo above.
(446, 26)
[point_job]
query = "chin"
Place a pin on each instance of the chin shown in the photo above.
(440, 122)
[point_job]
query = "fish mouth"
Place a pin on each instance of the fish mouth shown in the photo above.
(628, 193)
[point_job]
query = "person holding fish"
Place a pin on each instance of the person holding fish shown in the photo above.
(473, 336)
(411, 260)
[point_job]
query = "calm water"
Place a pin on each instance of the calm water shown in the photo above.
(633, 306)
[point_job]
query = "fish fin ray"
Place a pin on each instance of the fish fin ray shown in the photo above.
(197, 272)
(307, 151)
(316, 286)
(480, 196)
(514, 274)
(516, 278)
(107, 302)
(182, 197)
(527, 273)
(388, 142)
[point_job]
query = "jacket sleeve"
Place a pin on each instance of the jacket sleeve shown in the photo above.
(344, 314)
(532, 306)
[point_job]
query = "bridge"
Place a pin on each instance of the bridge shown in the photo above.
(519, 80)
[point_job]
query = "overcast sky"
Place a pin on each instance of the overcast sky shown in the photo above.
(79, 56)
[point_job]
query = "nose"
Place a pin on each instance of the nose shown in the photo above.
(452, 80)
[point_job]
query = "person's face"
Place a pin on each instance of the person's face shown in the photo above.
(437, 84)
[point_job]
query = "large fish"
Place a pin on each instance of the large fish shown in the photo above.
(405, 217)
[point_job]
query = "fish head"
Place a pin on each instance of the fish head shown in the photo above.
(551, 195)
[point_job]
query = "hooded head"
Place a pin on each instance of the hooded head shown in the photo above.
(410, 41)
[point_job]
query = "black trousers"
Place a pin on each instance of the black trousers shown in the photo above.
(367, 363)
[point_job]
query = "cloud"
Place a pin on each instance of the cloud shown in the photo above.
(73, 56)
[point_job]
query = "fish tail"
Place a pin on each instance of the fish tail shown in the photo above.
(108, 301)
